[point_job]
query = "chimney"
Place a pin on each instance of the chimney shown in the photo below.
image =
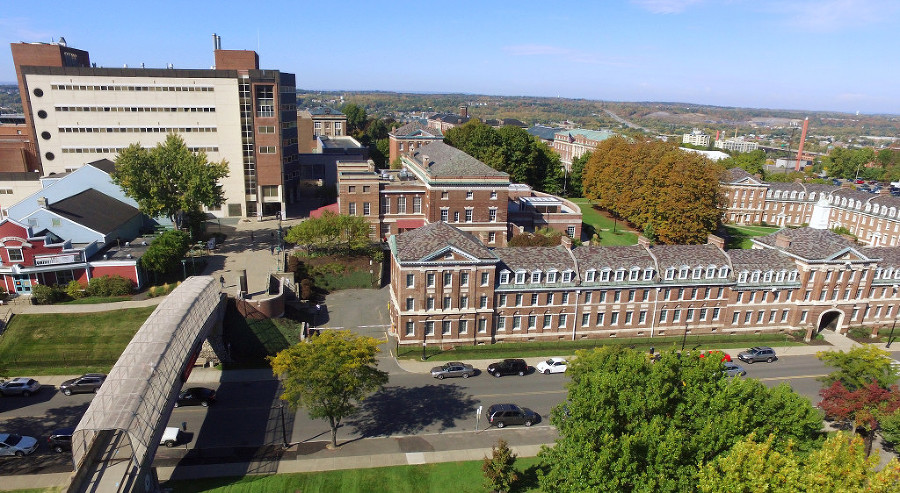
(716, 240)
(782, 241)
(463, 110)
(643, 241)
(566, 242)
(43, 202)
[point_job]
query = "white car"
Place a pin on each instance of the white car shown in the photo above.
(17, 445)
(552, 365)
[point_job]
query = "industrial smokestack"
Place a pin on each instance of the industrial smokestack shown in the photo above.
(215, 42)
(802, 140)
(218, 42)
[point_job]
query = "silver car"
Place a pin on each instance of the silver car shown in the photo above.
(452, 369)
(734, 369)
(18, 445)
(20, 386)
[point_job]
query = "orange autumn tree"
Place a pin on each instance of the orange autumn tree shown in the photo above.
(671, 195)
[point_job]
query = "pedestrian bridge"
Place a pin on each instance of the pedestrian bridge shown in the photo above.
(115, 442)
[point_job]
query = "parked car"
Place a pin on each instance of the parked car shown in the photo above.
(87, 383)
(734, 369)
(18, 445)
(452, 369)
(196, 396)
(61, 440)
(758, 353)
(501, 415)
(20, 386)
(508, 367)
(171, 436)
(552, 365)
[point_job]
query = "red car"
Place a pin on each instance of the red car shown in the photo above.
(725, 356)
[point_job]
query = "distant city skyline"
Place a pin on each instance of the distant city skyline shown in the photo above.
(813, 55)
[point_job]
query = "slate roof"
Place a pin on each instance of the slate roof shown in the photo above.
(890, 256)
(785, 186)
(535, 258)
(95, 210)
(324, 110)
(599, 258)
(415, 127)
(447, 161)
(735, 175)
(760, 259)
(596, 135)
(690, 255)
(421, 242)
(808, 243)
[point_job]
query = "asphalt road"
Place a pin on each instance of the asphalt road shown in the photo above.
(247, 414)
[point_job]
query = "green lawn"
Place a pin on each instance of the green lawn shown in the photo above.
(604, 225)
(739, 236)
(459, 477)
(68, 343)
(562, 348)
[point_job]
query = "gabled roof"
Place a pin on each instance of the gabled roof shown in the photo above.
(812, 244)
(761, 259)
(736, 176)
(441, 160)
(530, 259)
(889, 257)
(432, 240)
(95, 210)
(104, 165)
(416, 128)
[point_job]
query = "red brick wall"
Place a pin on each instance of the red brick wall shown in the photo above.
(236, 60)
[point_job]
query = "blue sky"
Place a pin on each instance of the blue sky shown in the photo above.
(785, 54)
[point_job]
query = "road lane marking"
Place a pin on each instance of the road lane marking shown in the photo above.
(516, 394)
(789, 378)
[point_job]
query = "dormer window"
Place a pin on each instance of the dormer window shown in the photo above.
(711, 272)
(723, 272)
(635, 274)
(767, 277)
(648, 274)
(551, 276)
(755, 276)
(520, 277)
(589, 275)
(793, 275)
(670, 273)
(567, 276)
(604, 275)
(504, 277)
(779, 277)
(742, 277)
(536, 277)
(698, 271)
(620, 275)
(683, 272)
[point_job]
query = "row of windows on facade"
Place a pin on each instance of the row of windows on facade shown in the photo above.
(139, 109)
(123, 87)
(337, 125)
(856, 204)
(157, 130)
(634, 274)
(114, 150)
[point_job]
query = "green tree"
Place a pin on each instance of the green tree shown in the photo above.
(858, 367)
(849, 163)
(165, 252)
(169, 180)
(838, 466)
(329, 232)
(329, 375)
(499, 469)
(573, 186)
(753, 162)
(890, 427)
(356, 117)
(544, 237)
(632, 424)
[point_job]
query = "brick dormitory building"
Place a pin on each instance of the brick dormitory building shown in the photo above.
(449, 288)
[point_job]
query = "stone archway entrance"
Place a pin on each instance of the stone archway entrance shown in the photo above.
(830, 320)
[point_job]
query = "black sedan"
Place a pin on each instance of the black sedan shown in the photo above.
(194, 396)
(87, 383)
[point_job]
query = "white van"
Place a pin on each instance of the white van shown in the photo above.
(171, 436)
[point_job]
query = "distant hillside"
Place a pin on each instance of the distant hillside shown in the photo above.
(10, 102)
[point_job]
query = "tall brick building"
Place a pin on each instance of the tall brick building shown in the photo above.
(78, 113)
(448, 288)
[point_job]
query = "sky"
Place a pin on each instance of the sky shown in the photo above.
(814, 55)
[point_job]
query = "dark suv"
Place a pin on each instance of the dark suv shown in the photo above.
(61, 440)
(87, 383)
(758, 353)
(508, 367)
(501, 415)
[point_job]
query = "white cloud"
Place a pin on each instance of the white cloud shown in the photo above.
(17, 29)
(665, 6)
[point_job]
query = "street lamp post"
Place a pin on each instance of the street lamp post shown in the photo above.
(891, 335)
(684, 337)
(423, 350)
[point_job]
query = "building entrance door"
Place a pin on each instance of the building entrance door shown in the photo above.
(23, 283)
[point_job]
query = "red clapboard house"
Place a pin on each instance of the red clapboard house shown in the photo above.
(27, 259)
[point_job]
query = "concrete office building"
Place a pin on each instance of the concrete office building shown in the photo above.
(78, 113)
